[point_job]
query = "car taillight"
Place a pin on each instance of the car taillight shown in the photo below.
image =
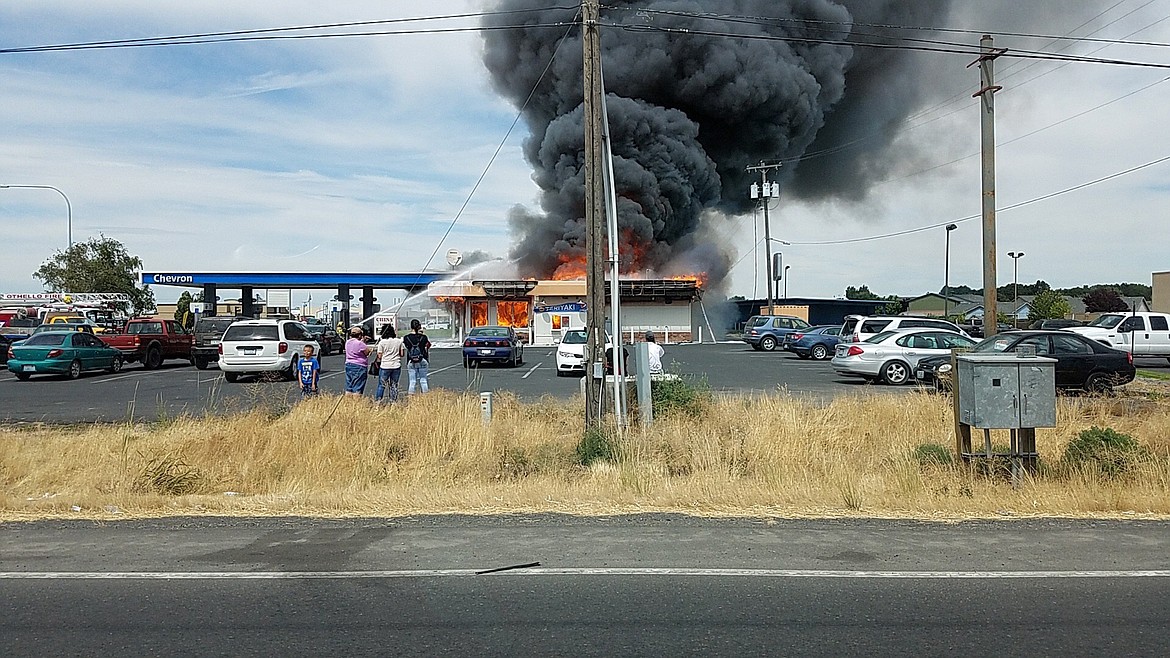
(1128, 357)
(855, 351)
(282, 348)
(796, 337)
(221, 348)
(137, 341)
(11, 355)
(54, 353)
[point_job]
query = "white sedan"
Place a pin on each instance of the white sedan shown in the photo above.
(571, 352)
(891, 356)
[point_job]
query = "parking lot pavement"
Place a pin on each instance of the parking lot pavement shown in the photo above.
(177, 388)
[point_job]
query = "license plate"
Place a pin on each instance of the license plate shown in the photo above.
(921, 374)
(250, 351)
(485, 351)
(30, 369)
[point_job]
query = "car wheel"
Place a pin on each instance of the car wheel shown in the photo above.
(768, 343)
(820, 352)
(291, 373)
(23, 376)
(1098, 382)
(896, 373)
(520, 359)
(757, 348)
(153, 359)
(202, 364)
(231, 377)
(116, 366)
(74, 370)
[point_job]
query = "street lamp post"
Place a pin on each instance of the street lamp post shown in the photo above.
(1016, 256)
(947, 272)
(786, 268)
(68, 206)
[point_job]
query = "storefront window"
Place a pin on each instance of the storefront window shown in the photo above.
(479, 314)
(512, 314)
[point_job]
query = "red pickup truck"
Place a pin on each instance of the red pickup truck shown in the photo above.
(151, 341)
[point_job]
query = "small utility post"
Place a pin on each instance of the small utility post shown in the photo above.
(986, 94)
(594, 200)
(767, 191)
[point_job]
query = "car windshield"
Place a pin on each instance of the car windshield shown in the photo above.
(994, 344)
(250, 332)
(877, 338)
(1107, 321)
(576, 338)
(213, 326)
(46, 339)
(494, 332)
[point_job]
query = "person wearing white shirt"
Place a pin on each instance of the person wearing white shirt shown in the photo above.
(656, 353)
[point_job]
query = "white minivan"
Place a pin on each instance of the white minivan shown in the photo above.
(254, 347)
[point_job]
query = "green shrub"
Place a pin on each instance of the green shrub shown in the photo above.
(595, 445)
(684, 395)
(1104, 451)
(930, 454)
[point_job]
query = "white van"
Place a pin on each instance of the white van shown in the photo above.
(858, 328)
(253, 347)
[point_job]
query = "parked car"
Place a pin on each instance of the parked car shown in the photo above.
(492, 343)
(207, 333)
(72, 326)
(571, 352)
(152, 341)
(1055, 323)
(858, 328)
(1081, 363)
(769, 331)
(976, 330)
(5, 343)
(326, 337)
(892, 356)
(1141, 334)
(67, 353)
(257, 347)
(818, 343)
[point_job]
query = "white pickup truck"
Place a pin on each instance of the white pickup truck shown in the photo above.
(1142, 334)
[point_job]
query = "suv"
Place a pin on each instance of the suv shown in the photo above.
(208, 330)
(858, 328)
(766, 332)
(253, 347)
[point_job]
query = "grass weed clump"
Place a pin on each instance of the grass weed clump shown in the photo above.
(596, 445)
(1103, 452)
(933, 454)
(684, 395)
(169, 475)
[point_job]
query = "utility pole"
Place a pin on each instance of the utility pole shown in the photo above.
(767, 191)
(594, 201)
(986, 94)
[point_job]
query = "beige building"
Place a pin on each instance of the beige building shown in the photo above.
(1161, 302)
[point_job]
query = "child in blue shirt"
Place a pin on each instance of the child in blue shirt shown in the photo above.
(308, 367)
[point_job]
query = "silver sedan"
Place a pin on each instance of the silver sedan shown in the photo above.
(891, 356)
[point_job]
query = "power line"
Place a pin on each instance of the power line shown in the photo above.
(968, 218)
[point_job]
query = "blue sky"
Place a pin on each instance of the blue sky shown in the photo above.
(356, 153)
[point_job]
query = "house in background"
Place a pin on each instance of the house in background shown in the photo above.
(969, 308)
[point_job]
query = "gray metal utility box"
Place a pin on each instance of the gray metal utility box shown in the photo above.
(1006, 391)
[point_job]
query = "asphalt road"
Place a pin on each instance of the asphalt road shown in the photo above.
(645, 585)
(178, 388)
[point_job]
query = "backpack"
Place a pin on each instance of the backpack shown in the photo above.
(414, 352)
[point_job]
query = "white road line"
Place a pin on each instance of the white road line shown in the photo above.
(115, 378)
(532, 370)
(579, 571)
(332, 374)
(432, 372)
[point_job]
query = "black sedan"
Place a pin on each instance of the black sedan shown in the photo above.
(1081, 363)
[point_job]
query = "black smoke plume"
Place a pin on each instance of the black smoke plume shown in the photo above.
(690, 111)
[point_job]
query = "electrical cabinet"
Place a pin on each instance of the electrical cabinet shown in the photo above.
(1006, 391)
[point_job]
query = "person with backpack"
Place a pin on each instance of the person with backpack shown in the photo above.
(417, 348)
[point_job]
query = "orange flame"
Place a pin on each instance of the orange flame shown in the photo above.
(449, 300)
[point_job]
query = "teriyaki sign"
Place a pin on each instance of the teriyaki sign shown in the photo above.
(571, 307)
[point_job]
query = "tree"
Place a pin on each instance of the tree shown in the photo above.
(894, 307)
(1103, 300)
(1049, 305)
(183, 310)
(862, 292)
(99, 264)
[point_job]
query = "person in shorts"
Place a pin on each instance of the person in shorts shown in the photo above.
(308, 368)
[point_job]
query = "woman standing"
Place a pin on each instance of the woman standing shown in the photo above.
(357, 365)
(417, 349)
(390, 364)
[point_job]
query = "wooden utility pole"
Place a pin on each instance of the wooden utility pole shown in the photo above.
(986, 94)
(594, 203)
(765, 196)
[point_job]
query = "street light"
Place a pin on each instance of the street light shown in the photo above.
(68, 206)
(1016, 256)
(947, 272)
(786, 268)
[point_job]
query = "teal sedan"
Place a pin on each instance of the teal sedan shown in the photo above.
(66, 353)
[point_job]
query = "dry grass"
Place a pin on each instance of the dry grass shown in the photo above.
(773, 455)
